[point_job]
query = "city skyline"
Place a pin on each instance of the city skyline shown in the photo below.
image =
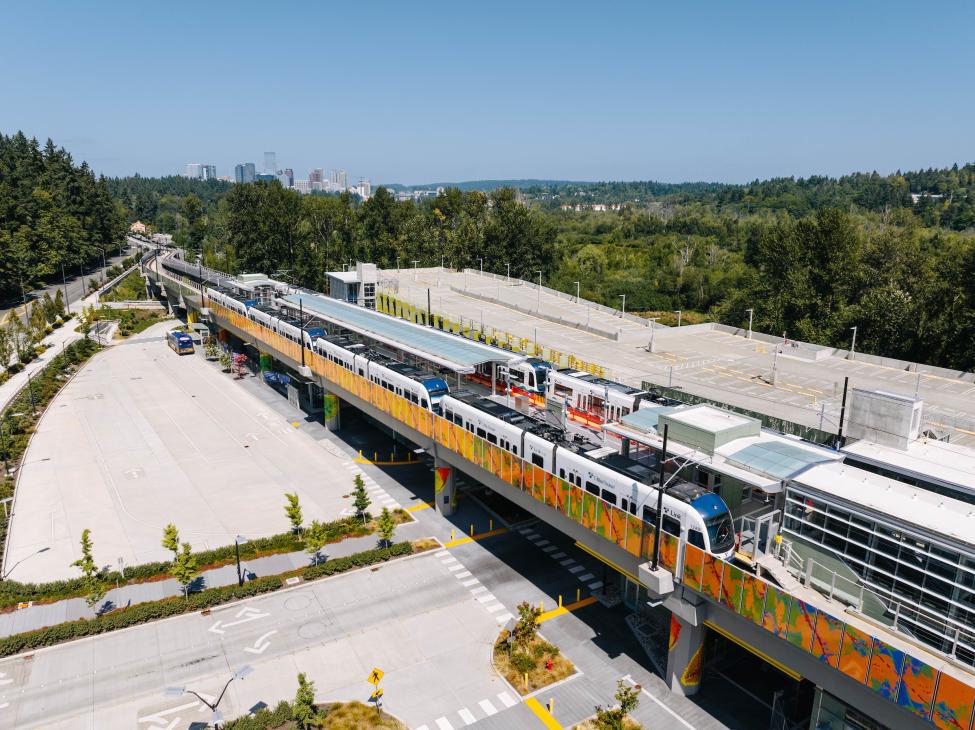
(717, 93)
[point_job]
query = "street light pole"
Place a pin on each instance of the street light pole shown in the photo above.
(623, 310)
(577, 292)
(64, 285)
(853, 345)
(508, 265)
(480, 263)
(660, 503)
(678, 317)
(237, 541)
(538, 306)
(751, 313)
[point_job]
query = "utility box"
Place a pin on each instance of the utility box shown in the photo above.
(885, 418)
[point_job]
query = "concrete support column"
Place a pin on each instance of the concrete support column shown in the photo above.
(265, 360)
(625, 451)
(331, 412)
(685, 657)
(444, 488)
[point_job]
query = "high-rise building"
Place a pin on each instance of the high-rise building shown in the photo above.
(270, 163)
(365, 189)
(316, 175)
(208, 172)
(342, 179)
(193, 170)
(245, 172)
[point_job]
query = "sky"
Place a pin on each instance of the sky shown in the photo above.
(427, 92)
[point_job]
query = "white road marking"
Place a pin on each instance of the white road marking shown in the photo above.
(469, 583)
(587, 576)
(455, 567)
(158, 718)
(502, 618)
(662, 706)
(549, 549)
(249, 614)
(576, 568)
(442, 553)
(495, 608)
(466, 716)
(444, 724)
(465, 574)
(567, 561)
(595, 586)
(475, 591)
(506, 700)
(485, 598)
(261, 644)
(541, 542)
(488, 707)
(557, 556)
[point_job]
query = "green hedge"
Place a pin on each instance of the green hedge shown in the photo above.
(12, 592)
(151, 611)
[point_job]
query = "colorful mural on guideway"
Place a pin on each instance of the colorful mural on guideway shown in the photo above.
(941, 698)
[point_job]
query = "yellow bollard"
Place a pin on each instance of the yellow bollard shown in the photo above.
(360, 453)
(375, 456)
(490, 525)
(451, 534)
(526, 681)
(472, 529)
(551, 705)
(541, 606)
(578, 594)
(560, 600)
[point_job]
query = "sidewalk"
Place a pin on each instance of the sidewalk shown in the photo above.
(39, 616)
(56, 342)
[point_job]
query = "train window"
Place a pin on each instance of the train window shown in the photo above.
(514, 450)
(481, 432)
(696, 538)
(537, 460)
(458, 419)
(623, 504)
(671, 525)
(609, 496)
(650, 515)
(423, 403)
(592, 488)
(492, 438)
(632, 508)
(561, 473)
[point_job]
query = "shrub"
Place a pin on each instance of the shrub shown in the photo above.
(523, 662)
(143, 612)
(264, 719)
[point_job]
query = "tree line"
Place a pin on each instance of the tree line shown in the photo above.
(53, 213)
(812, 257)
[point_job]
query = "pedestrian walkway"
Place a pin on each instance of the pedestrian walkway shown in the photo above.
(49, 614)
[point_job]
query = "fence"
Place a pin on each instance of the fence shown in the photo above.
(470, 329)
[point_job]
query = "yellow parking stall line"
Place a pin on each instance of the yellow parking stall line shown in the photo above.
(418, 507)
(542, 714)
(568, 608)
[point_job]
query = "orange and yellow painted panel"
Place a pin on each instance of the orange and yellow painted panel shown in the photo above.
(827, 639)
(802, 623)
(776, 616)
(693, 567)
(731, 585)
(954, 704)
(855, 654)
(711, 577)
(752, 598)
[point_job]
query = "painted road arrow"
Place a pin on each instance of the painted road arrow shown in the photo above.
(261, 644)
(246, 615)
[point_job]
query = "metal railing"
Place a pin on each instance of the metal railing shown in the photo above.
(948, 636)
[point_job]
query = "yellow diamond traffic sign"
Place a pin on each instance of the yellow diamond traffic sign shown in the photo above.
(376, 695)
(376, 675)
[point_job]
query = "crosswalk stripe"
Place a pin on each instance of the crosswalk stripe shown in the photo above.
(444, 724)
(465, 574)
(506, 700)
(502, 618)
(488, 707)
(471, 582)
(466, 716)
(587, 576)
(495, 608)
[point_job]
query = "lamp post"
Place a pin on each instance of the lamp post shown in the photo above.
(480, 264)
(577, 292)
(237, 542)
(623, 310)
(853, 345)
(751, 313)
(678, 317)
(64, 285)
(660, 503)
(538, 305)
(36, 552)
(240, 674)
(508, 266)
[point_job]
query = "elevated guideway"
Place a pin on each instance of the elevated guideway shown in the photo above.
(883, 674)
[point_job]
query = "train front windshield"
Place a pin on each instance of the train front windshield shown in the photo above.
(721, 533)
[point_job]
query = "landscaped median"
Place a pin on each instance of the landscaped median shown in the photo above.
(525, 659)
(151, 611)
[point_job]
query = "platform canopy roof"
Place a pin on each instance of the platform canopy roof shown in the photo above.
(448, 350)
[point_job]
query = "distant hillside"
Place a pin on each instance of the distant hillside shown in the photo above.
(484, 185)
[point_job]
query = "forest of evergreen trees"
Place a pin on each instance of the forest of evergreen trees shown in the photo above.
(53, 213)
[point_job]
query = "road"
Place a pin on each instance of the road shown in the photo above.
(73, 286)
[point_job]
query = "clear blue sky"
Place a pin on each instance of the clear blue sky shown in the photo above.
(418, 92)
